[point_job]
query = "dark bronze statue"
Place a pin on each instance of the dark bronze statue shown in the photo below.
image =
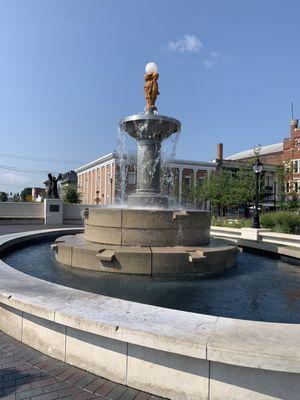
(52, 192)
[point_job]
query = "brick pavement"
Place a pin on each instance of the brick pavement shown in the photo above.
(26, 373)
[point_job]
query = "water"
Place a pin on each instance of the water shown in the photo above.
(164, 154)
(260, 288)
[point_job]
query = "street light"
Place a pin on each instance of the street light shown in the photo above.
(257, 169)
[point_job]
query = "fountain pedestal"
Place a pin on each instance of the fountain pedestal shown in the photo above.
(149, 130)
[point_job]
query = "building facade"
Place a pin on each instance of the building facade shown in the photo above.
(291, 159)
(102, 181)
(285, 154)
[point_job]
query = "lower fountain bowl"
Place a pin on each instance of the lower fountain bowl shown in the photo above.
(147, 242)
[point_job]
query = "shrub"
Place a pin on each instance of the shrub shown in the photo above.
(281, 221)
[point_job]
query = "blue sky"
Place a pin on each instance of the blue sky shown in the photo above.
(71, 69)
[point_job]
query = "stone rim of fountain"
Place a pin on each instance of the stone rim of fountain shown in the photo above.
(223, 344)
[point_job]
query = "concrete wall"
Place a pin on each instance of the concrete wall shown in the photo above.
(176, 354)
(26, 213)
(261, 239)
(19, 209)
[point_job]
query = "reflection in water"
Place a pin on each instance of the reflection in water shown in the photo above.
(260, 288)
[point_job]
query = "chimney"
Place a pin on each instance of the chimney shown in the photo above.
(294, 125)
(220, 151)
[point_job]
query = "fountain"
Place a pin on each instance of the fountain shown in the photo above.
(145, 236)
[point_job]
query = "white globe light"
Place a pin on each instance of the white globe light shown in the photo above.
(151, 68)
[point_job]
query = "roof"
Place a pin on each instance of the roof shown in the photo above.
(271, 148)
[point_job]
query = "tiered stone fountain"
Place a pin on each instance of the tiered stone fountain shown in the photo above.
(145, 237)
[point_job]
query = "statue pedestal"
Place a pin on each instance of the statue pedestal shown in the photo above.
(53, 211)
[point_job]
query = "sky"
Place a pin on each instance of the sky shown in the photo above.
(70, 70)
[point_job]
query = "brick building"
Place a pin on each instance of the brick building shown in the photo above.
(100, 180)
(285, 154)
(291, 159)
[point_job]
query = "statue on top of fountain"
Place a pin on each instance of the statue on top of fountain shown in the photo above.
(151, 86)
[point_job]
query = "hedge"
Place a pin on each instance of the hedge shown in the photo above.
(281, 221)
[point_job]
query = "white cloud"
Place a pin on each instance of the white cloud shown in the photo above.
(187, 44)
(12, 181)
(212, 59)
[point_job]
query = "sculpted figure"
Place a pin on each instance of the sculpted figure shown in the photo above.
(52, 192)
(154, 90)
(147, 89)
(151, 89)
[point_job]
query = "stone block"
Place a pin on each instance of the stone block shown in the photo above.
(252, 233)
(149, 237)
(64, 253)
(108, 217)
(97, 354)
(171, 260)
(130, 260)
(53, 211)
(163, 237)
(45, 336)
(165, 374)
(261, 345)
(11, 321)
(231, 257)
(230, 382)
(85, 257)
(148, 219)
(104, 235)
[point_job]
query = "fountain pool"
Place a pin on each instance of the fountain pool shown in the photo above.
(261, 288)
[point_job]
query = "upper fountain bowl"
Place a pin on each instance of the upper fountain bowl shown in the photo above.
(150, 126)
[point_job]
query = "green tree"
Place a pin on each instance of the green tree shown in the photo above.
(26, 194)
(227, 188)
(70, 195)
(3, 196)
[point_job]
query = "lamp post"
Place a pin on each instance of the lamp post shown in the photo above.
(257, 169)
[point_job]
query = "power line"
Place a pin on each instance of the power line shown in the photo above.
(30, 158)
(28, 171)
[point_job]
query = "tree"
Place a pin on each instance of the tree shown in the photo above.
(3, 196)
(26, 194)
(70, 195)
(227, 188)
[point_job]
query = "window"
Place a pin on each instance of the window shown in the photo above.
(296, 187)
(131, 178)
(187, 181)
(296, 166)
(287, 187)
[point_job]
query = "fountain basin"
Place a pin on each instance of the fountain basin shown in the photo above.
(146, 242)
(137, 344)
(146, 126)
(147, 227)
